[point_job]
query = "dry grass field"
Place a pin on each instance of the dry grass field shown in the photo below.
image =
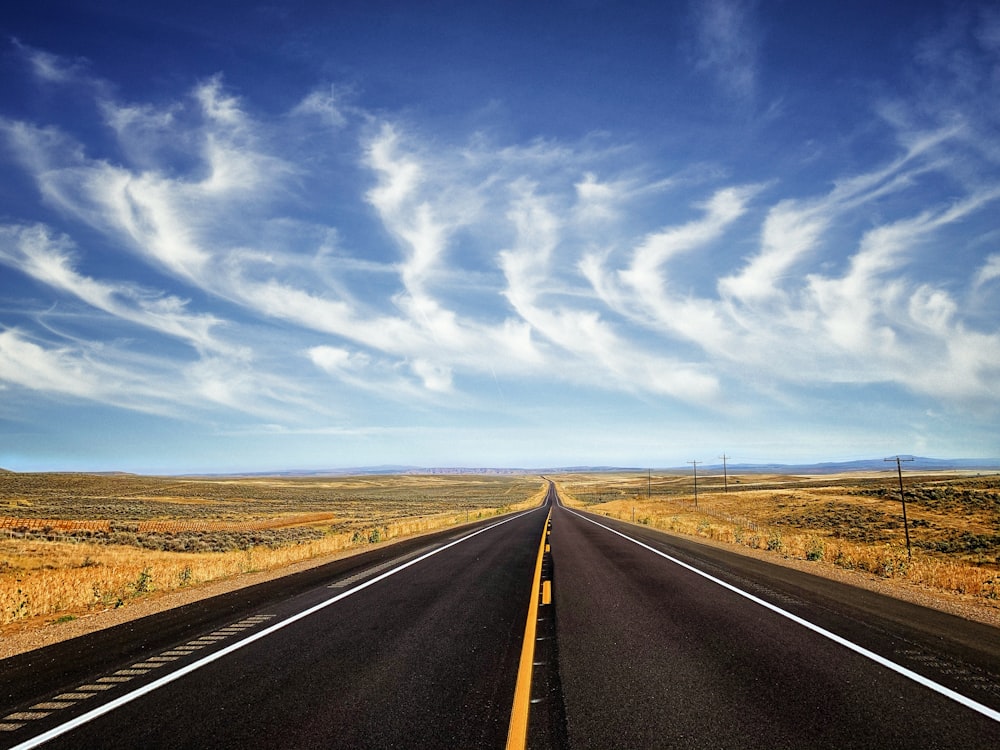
(849, 521)
(72, 544)
(75, 543)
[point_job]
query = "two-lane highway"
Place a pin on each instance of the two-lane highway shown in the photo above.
(595, 634)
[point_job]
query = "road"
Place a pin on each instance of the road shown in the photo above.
(419, 646)
(651, 654)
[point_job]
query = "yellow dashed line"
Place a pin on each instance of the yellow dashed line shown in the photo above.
(73, 696)
(10, 726)
(517, 734)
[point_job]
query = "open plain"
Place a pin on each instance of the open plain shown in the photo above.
(632, 637)
(79, 550)
(848, 526)
(76, 544)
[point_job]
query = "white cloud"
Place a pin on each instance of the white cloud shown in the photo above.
(434, 376)
(48, 67)
(33, 251)
(325, 105)
(334, 359)
(728, 43)
(989, 271)
(60, 371)
(548, 260)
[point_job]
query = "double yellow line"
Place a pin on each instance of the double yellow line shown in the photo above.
(517, 735)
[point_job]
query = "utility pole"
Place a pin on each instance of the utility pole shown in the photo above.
(902, 498)
(725, 474)
(649, 483)
(695, 463)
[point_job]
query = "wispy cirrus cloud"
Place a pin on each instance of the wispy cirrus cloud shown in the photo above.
(561, 262)
(52, 370)
(727, 44)
(49, 260)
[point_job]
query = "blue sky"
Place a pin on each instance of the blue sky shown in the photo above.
(256, 236)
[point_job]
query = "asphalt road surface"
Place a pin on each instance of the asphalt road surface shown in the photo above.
(418, 646)
(654, 655)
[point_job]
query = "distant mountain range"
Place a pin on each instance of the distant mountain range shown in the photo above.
(911, 463)
(830, 467)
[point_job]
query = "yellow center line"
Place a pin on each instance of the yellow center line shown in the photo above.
(517, 735)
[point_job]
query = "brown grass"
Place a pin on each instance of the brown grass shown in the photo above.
(852, 522)
(58, 558)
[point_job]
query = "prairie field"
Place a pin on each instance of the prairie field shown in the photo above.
(75, 543)
(848, 521)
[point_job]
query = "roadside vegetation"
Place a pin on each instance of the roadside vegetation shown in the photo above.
(852, 522)
(73, 543)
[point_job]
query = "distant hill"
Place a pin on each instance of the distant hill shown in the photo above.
(873, 464)
(919, 463)
(829, 467)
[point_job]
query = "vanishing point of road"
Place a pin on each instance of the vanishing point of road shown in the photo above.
(550, 628)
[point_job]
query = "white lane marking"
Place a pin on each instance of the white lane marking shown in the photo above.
(87, 691)
(205, 660)
(898, 668)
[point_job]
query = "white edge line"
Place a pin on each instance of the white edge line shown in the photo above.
(166, 679)
(898, 668)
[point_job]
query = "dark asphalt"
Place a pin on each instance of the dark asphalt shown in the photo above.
(426, 658)
(654, 656)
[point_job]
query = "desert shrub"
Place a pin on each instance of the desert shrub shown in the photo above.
(774, 542)
(963, 542)
(815, 549)
(144, 583)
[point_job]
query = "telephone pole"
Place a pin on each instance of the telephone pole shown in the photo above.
(695, 463)
(902, 498)
(725, 474)
(649, 483)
